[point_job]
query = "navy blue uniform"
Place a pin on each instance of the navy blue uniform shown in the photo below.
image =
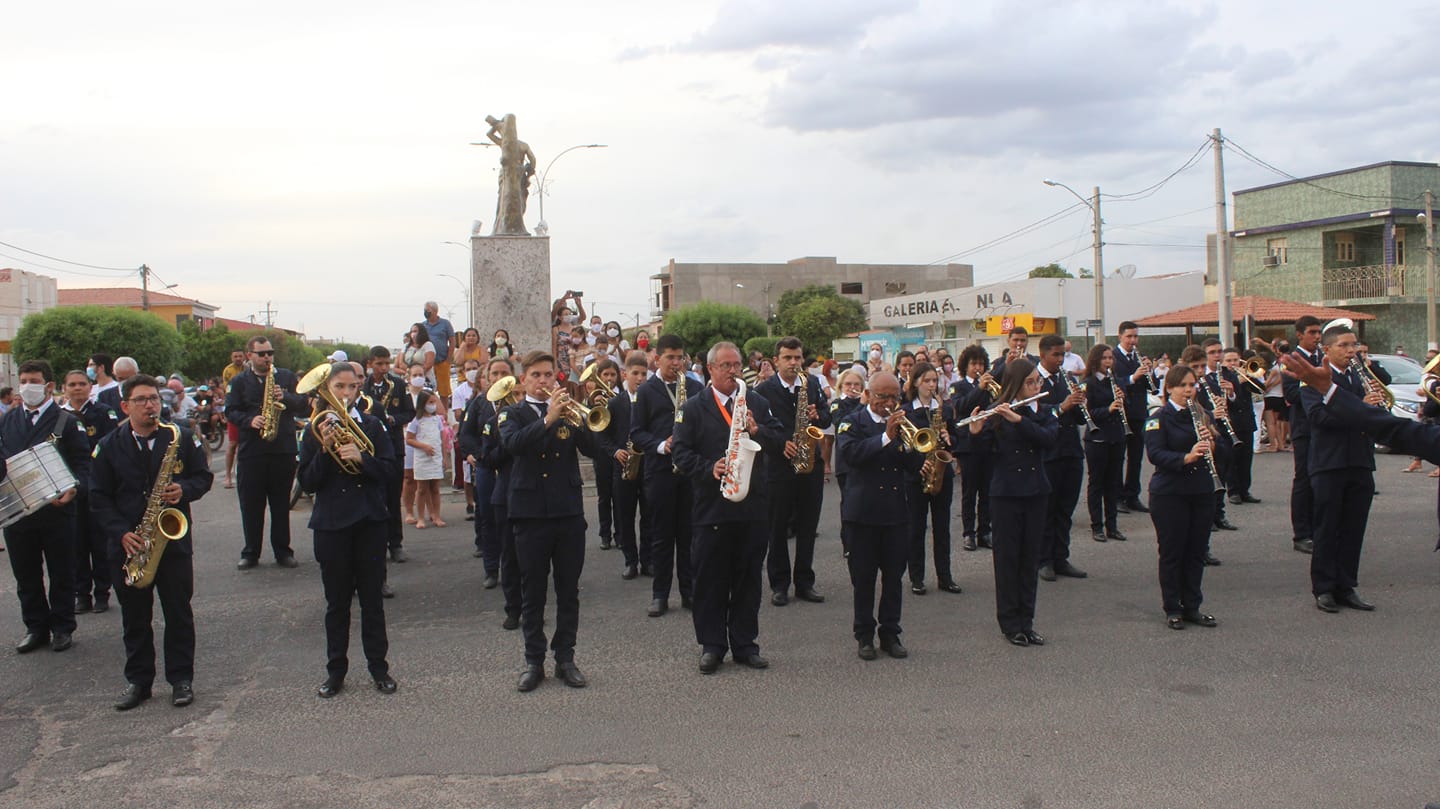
(1342, 476)
(1227, 447)
(121, 477)
(1105, 449)
(1064, 468)
(1302, 497)
(796, 498)
(625, 494)
(667, 495)
(1018, 494)
(730, 538)
(494, 458)
(547, 514)
(976, 454)
(392, 404)
(1182, 507)
(936, 506)
(265, 469)
(1137, 407)
(1242, 414)
(44, 543)
(471, 436)
(873, 520)
(92, 559)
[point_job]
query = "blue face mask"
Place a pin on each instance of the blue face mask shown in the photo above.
(90, 372)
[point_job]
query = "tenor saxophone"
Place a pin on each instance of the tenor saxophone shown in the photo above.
(805, 435)
(270, 409)
(160, 524)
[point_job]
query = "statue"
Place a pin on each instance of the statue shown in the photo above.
(517, 165)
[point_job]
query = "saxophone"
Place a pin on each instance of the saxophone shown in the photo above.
(740, 451)
(679, 405)
(270, 409)
(805, 435)
(161, 524)
(938, 459)
(632, 463)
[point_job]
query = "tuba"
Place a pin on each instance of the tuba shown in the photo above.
(332, 410)
(740, 451)
(270, 408)
(160, 524)
(805, 435)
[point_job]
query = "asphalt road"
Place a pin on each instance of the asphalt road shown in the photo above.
(1281, 706)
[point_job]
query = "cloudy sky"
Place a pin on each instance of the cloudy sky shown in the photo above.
(315, 155)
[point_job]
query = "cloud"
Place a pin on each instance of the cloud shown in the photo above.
(745, 25)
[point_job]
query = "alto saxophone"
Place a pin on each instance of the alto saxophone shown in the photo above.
(805, 435)
(270, 409)
(740, 451)
(938, 458)
(161, 524)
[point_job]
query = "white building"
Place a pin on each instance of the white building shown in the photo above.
(22, 293)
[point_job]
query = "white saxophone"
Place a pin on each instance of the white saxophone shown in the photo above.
(739, 451)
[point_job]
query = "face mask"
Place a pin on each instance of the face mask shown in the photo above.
(613, 332)
(596, 327)
(577, 340)
(500, 341)
(471, 375)
(90, 373)
(571, 318)
(430, 408)
(642, 343)
(32, 394)
(417, 382)
(874, 353)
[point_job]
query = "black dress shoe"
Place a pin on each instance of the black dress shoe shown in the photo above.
(1246, 498)
(867, 650)
(510, 622)
(133, 696)
(84, 604)
(630, 572)
(1047, 572)
(1138, 507)
(918, 588)
(686, 603)
(809, 594)
(647, 570)
(182, 694)
(753, 661)
(1225, 525)
(1353, 600)
(1116, 534)
(894, 648)
(709, 662)
(331, 687)
(102, 603)
(1325, 602)
(779, 598)
(985, 540)
(658, 607)
(287, 561)
(530, 678)
(385, 684)
(1098, 536)
(61, 641)
(1017, 639)
(1122, 508)
(386, 591)
(1235, 500)
(606, 544)
(570, 674)
(246, 563)
(949, 587)
(969, 543)
(490, 582)
(1064, 568)
(1174, 622)
(478, 554)
(1304, 545)
(31, 642)
(1035, 638)
(1210, 560)
(1199, 619)
(399, 555)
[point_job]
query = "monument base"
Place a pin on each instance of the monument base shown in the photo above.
(510, 279)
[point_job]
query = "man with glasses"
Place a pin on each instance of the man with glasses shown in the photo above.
(266, 469)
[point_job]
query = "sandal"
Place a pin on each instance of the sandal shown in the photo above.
(229, 484)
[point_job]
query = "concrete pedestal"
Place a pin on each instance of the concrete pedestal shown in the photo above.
(510, 280)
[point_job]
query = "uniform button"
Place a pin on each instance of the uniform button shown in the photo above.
(544, 474)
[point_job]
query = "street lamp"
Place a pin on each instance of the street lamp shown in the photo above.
(1094, 205)
(766, 291)
(542, 229)
(464, 288)
(1429, 217)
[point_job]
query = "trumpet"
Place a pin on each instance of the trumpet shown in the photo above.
(595, 419)
(1253, 373)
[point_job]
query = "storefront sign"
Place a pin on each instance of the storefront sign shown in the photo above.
(1004, 324)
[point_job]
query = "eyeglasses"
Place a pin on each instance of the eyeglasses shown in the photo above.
(724, 366)
(143, 400)
(269, 353)
(884, 397)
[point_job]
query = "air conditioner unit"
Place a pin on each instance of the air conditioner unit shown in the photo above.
(1271, 261)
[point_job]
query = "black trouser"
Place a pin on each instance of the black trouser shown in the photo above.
(975, 470)
(1134, 454)
(876, 549)
(794, 502)
(604, 492)
(92, 556)
(668, 496)
(1342, 510)
(937, 506)
(1064, 475)
(1019, 531)
(840, 484)
(175, 584)
(1302, 496)
(44, 544)
(1182, 531)
(543, 545)
(1242, 458)
(727, 559)
(487, 540)
(645, 540)
(1105, 463)
(265, 480)
(352, 561)
(509, 562)
(395, 520)
(626, 496)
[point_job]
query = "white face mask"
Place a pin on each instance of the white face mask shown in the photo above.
(571, 318)
(596, 327)
(471, 375)
(431, 408)
(874, 353)
(417, 382)
(613, 332)
(500, 341)
(32, 394)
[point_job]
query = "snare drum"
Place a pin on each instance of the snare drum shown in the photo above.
(34, 478)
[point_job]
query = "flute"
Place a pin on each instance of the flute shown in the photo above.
(985, 414)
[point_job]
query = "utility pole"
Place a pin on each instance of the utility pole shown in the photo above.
(1222, 243)
(270, 315)
(1099, 262)
(145, 287)
(1430, 270)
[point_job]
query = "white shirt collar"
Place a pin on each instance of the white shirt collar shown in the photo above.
(39, 411)
(1178, 408)
(1341, 371)
(1044, 374)
(879, 419)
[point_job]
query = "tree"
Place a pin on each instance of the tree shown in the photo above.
(818, 315)
(1084, 273)
(67, 336)
(1051, 270)
(765, 345)
(207, 352)
(706, 323)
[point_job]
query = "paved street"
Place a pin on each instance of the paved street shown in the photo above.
(1281, 706)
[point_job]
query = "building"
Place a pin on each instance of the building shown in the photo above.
(172, 309)
(22, 293)
(759, 286)
(1348, 239)
(1266, 318)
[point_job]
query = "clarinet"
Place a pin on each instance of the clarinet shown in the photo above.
(1197, 418)
(1212, 391)
(1074, 387)
(1119, 397)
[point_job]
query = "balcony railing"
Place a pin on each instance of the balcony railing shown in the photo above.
(1339, 283)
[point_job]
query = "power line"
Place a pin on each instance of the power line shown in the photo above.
(62, 270)
(1151, 190)
(1241, 150)
(68, 261)
(1014, 234)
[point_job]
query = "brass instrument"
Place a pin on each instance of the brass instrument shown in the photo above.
(1197, 418)
(603, 393)
(1215, 394)
(594, 419)
(740, 451)
(1430, 380)
(805, 434)
(1371, 382)
(1075, 387)
(918, 439)
(503, 392)
(993, 388)
(1120, 397)
(270, 408)
(161, 524)
(680, 394)
(330, 410)
(937, 458)
(1253, 372)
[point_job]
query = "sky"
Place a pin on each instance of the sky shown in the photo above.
(316, 157)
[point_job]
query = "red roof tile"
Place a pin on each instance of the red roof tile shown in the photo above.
(120, 296)
(1265, 310)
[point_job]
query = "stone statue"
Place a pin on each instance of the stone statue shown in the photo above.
(517, 165)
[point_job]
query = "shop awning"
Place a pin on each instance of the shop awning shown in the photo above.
(1265, 311)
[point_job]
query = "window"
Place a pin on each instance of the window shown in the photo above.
(1399, 246)
(1280, 249)
(852, 288)
(1345, 247)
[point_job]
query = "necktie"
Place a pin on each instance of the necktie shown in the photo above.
(730, 405)
(539, 408)
(34, 417)
(145, 453)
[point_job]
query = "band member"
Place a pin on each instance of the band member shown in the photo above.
(547, 514)
(1182, 499)
(493, 456)
(266, 468)
(1064, 462)
(852, 396)
(479, 414)
(614, 441)
(1193, 357)
(348, 519)
(1105, 445)
(925, 409)
(976, 452)
(1302, 497)
(730, 537)
(608, 373)
(43, 543)
(796, 495)
(1134, 373)
(1017, 498)
(394, 407)
(1016, 343)
(1242, 415)
(125, 469)
(872, 514)
(92, 557)
(1218, 388)
(1342, 475)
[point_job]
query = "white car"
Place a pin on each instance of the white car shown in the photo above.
(1404, 384)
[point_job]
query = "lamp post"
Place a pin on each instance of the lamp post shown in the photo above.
(469, 300)
(465, 289)
(1094, 205)
(541, 228)
(1429, 217)
(766, 292)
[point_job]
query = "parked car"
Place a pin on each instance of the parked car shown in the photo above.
(1404, 384)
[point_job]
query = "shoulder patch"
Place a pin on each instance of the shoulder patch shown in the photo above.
(1152, 424)
(95, 453)
(835, 405)
(485, 431)
(844, 425)
(504, 414)
(679, 416)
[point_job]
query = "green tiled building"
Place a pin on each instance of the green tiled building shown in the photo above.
(1351, 239)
